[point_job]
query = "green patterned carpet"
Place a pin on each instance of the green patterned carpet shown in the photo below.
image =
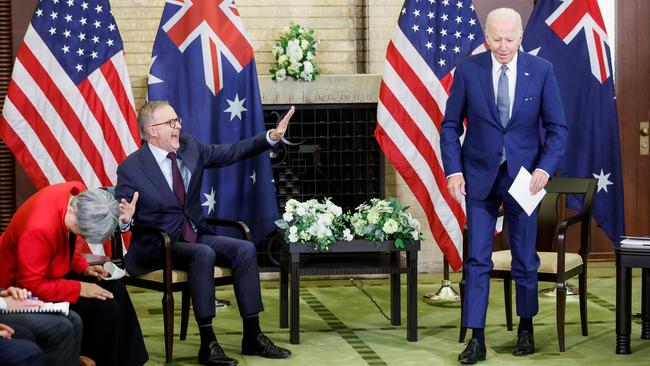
(343, 323)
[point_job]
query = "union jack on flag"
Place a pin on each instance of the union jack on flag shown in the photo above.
(431, 38)
(203, 65)
(69, 111)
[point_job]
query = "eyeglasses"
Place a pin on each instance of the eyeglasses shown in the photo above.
(171, 123)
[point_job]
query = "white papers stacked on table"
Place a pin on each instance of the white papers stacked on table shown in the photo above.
(520, 191)
(636, 242)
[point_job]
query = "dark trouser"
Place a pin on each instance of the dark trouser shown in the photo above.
(522, 231)
(21, 350)
(111, 331)
(199, 260)
(58, 336)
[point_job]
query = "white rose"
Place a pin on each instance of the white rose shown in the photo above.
(293, 230)
(415, 234)
(347, 235)
(390, 226)
(290, 205)
(309, 56)
(280, 74)
(325, 219)
(308, 67)
(282, 60)
(293, 50)
(301, 210)
(306, 76)
(304, 44)
(293, 238)
(288, 217)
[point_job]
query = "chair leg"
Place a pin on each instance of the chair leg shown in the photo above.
(463, 330)
(185, 314)
(582, 281)
(507, 301)
(560, 293)
(168, 319)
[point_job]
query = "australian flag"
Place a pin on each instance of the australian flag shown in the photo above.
(203, 65)
(571, 34)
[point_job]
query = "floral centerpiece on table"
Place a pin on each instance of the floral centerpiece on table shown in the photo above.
(320, 222)
(295, 54)
(382, 220)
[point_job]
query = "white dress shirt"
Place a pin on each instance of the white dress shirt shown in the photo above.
(512, 79)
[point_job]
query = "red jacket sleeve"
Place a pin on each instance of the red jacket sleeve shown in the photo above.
(42, 264)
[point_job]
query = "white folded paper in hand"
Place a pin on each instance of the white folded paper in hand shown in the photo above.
(520, 191)
(114, 272)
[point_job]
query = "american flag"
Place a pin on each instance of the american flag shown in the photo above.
(432, 36)
(69, 111)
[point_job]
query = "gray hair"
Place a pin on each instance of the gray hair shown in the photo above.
(504, 14)
(97, 214)
(146, 115)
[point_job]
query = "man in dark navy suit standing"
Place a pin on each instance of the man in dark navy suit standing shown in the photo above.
(507, 97)
(160, 186)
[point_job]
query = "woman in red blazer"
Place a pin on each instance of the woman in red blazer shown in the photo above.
(37, 252)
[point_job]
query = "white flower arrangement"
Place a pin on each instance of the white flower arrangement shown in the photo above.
(295, 54)
(320, 222)
(324, 223)
(385, 220)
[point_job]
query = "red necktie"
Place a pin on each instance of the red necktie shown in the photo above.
(187, 232)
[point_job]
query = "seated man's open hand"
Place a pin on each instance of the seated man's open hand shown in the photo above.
(278, 132)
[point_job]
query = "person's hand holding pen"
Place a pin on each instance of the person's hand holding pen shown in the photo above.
(20, 298)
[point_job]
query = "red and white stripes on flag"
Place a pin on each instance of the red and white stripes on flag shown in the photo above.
(411, 106)
(61, 131)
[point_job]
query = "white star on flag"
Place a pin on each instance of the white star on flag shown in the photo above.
(253, 177)
(236, 107)
(603, 180)
(210, 200)
(152, 79)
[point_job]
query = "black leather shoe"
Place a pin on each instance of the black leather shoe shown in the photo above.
(525, 344)
(262, 346)
(474, 352)
(213, 355)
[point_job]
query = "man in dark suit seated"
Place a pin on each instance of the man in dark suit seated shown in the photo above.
(160, 186)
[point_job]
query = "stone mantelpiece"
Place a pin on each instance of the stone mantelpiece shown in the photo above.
(326, 89)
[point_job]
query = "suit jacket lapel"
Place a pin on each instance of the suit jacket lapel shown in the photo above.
(523, 80)
(485, 75)
(152, 171)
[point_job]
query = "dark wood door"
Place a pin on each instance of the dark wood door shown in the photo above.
(633, 100)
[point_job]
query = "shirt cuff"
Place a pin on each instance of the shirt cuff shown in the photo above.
(454, 174)
(3, 304)
(269, 140)
(544, 171)
(126, 227)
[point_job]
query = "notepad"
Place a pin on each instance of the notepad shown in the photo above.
(48, 307)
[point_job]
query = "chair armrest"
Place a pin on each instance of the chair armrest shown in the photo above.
(580, 218)
(244, 230)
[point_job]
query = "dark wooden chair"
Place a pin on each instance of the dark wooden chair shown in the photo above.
(168, 280)
(557, 264)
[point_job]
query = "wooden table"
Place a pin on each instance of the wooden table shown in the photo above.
(626, 259)
(350, 258)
